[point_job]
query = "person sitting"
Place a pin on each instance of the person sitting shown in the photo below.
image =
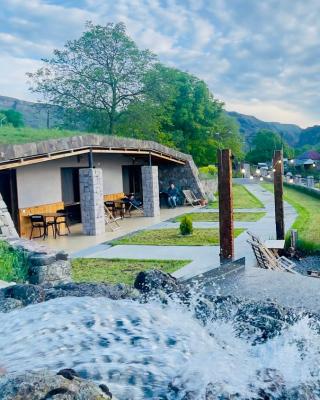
(172, 195)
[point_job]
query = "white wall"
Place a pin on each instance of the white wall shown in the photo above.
(41, 183)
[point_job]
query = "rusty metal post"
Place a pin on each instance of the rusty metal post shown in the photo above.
(278, 193)
(225, 205)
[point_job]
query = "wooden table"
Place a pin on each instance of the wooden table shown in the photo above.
(54, 216)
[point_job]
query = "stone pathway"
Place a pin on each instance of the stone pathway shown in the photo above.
(204, 258)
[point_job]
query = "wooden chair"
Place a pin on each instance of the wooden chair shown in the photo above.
(110, 219)
(39, 222)
(191, 198)
(63, 220)
(266, 259)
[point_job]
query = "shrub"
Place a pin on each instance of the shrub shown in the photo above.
(209, 171)
(186, 227)
(13, 265)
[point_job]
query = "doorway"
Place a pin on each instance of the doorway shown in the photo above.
(8, 190)
(71, 193)
(132, 180)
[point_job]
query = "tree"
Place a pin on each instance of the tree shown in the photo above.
(102, 71)
(11, 117)
(179, 110)
(264, 144)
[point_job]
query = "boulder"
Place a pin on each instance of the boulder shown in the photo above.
(45, 385)
(153, 280)
(27, 294)
(7, 305)
(115, 292)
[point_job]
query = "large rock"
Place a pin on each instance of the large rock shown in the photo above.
(7, 305)
(153, 280)
(115, 292)
(45, 385)
(27, 294)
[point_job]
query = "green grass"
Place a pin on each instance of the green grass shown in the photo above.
(242, 198)
(11, 135)
(172, 237)
(13, 266)
(214, 216)
(308, 220)
(118, 270)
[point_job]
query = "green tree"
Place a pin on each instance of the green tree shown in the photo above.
(264, 144)
(102, 71)
(12, 117)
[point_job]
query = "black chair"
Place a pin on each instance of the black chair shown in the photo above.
(62, 220)
(39, 222)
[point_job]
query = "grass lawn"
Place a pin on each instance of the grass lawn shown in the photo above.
(214, 216)
(172, 237)
(242, 198)
(118, 270)
(308, 220)
(11, 135)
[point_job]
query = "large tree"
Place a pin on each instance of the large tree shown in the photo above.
(102, 71)
(179, 110)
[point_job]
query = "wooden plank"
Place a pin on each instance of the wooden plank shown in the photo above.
(278, 193)
(225, 204)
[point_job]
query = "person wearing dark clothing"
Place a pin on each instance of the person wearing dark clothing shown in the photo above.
(172, 195)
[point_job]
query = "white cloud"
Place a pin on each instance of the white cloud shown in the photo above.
(244, 49)
(13, 81)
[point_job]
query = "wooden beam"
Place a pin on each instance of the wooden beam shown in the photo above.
(225, 205)
(278, 193)
(64, 154)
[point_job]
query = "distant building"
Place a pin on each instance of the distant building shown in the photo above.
(307, 160)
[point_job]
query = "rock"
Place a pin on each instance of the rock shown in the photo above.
(45, 385)
(7, 305)
(27, 294)
(153, 280)
(115, 292)
(260, 321)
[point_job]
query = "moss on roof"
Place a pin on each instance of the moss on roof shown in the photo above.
(11, 135)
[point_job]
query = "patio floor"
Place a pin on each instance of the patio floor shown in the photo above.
(77, 241)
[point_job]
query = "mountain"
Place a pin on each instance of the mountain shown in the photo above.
(35, 115)
(40, 115)
(310, 136)
(249, 125)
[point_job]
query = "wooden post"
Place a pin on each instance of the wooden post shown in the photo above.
(225, 205)
(278, 193)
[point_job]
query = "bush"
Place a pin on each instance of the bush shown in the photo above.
(209, 171)
(13, 265)
(186, 227)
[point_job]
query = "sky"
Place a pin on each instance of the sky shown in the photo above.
(261, 57)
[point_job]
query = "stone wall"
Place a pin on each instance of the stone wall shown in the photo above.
(150, 188)
(184, 177)
(91, 198)
(44, 265)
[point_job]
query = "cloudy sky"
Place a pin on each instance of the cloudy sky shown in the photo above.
(260, 57)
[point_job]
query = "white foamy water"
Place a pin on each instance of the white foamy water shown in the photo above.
(138, 349)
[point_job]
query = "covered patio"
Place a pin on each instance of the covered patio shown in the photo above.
(79, 175)
(78, 242)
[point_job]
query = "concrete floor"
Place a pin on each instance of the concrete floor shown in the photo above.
(77, 241)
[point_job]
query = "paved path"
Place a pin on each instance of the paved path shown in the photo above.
(203, 258)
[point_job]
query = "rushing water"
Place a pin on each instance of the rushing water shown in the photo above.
(139, 350)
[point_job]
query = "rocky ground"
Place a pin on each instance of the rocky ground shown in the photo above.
(45, 385)
(256, 322)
